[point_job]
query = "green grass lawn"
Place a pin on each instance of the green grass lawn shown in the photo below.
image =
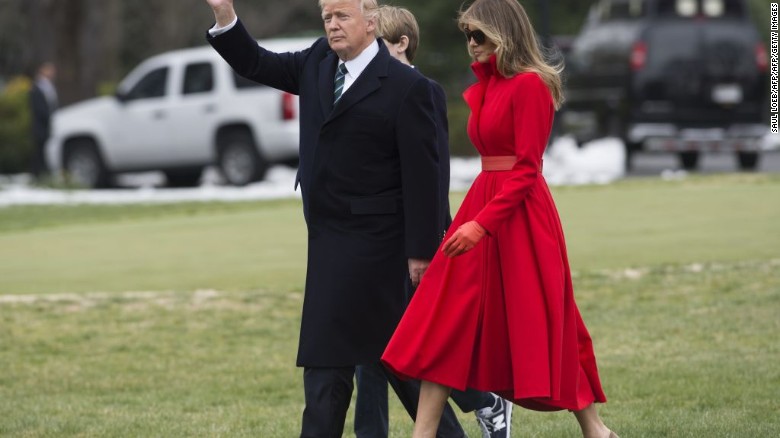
(182, 320)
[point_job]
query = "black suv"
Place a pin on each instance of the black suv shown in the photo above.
(684, 76)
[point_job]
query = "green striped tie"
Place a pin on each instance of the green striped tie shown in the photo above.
(339, 82)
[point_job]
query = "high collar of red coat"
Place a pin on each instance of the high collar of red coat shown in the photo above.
(484, 70)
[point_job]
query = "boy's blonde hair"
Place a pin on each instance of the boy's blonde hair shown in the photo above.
(394, 22)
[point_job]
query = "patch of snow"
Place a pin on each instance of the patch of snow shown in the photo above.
(674, 174)
(597, 162)
(463, 171)
(695, 267)
(770, 142)
(279, 183)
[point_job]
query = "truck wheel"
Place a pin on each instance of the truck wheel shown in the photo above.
(184, 177)
(84, 166)
(689, 160)
(238, 160)
(748, 161)
(631, 148)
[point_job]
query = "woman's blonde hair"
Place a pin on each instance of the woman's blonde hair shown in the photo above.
(506, 24)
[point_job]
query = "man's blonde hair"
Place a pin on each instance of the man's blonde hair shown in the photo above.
(367, 7)
(393, 22)
(506, 24)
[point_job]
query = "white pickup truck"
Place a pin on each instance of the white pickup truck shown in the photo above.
(179, 112)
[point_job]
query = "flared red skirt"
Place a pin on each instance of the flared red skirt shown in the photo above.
(502, 317)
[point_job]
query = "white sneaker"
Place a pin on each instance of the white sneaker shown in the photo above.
(496, 421)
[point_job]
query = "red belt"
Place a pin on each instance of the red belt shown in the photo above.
(499, 162)
(496, 163)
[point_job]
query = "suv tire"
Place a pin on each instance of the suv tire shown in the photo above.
(84, 166)
(631, 149)
(689, 160)
(238, 160)
(748, 161)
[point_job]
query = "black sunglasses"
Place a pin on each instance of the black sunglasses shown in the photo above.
(478, 36)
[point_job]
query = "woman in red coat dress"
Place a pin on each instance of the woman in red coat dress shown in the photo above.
(495, 310)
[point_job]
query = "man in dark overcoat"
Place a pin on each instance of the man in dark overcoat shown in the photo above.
(369, 177)
(43, 103)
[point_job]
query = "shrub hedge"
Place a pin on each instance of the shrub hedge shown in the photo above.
(16, 143)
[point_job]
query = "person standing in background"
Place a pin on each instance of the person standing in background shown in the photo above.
(43, 103)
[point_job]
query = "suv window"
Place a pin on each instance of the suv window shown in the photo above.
(242, 82)
(678, 8)
(622, 9)
(151, 85)
(707, 8)
(723, 8)
(198, 78)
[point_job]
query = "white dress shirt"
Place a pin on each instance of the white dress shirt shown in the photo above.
(356, 66)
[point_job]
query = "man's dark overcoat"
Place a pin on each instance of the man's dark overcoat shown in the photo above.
(41, 111)
(369, 177)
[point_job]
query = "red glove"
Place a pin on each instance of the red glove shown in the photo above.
(463, 239)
